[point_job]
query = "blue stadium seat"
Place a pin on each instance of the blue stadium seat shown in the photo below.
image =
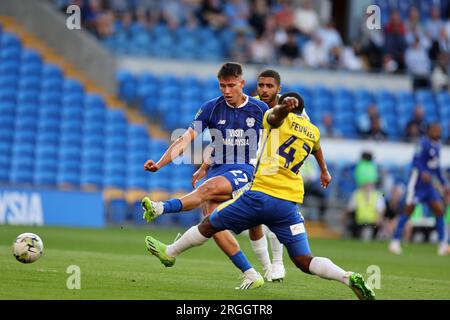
(30, 82)
(51, 124)
(73, 87)
(10, 54)
(68, 176)
(49, 112)
(91, 176)
(8, 95)
(73, 100)
(9, 67)
(51, 85)
(50, 70)
(32, 69)
(114, 180)
(94, 101)
(21, 172)
(45, 137)
(9, 80)
(424, 96)
(44, 178)
(9, 39)
(117, 210)
(30, 56)
(127, 86)
(72, 125)
(50, 98)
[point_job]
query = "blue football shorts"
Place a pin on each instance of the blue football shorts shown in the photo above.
(253, 208)
(238, 176)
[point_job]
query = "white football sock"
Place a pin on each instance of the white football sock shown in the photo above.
(325, 268)
(189, 239)
(276, 247)
(261, 250)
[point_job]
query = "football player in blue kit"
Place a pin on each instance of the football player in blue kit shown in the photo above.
(235, 124)
(420, 188)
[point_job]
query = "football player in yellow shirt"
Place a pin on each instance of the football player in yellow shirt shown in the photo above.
(273, 197)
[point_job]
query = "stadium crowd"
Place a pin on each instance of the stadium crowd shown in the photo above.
(288, 32)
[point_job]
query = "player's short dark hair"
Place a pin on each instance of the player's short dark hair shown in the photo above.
(270, 73)
(367, 155)
(301, 103)
(230, 69)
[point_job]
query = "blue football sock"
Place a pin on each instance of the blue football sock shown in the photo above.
(172, 206)
(241, 262)
(400, 226)
(440, 227)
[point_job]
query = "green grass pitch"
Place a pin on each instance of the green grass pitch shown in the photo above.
(114, 264)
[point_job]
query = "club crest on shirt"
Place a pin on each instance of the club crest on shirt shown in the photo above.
(250, 122)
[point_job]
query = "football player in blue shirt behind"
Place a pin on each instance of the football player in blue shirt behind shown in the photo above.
(235, 124)
(421, 189)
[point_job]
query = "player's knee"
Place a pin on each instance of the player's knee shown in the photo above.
(256, 233)
(303, 262)
(206, 228)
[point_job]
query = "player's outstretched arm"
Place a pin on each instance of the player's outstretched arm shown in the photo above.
(325, 177)
(280, 112)
(175, 149)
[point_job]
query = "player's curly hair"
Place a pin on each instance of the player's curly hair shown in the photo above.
(301, 103)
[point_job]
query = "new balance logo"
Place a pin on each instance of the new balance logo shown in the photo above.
(221, 122)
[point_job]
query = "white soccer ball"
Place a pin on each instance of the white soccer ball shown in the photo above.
(28, 247)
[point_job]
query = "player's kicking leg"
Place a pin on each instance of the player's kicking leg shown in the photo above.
(216, 189)
(209, 194)
(196, 236)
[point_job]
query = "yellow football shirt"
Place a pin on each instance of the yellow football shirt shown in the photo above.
(282, 152)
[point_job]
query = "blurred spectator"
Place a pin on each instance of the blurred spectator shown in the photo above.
(440, 47)
(376, 132)
(285, 16)
(261, 50)
(439, 75)
(326, 128)
(419, 65)
(306, 18)
(395, 43)
(259, 16)
(290, 52)
(212, 14)
(372, 43)
(364, 121)
(366, 170)
(366, 206)
(416, 126)
(173, 12)
(417, 32)
(105, 24)
(389, 64)
(315, 54)
(240, 49)
(434, 24)
(238, 13)
(330, 36)
(344, 58)
(413, 21)
(350, 57)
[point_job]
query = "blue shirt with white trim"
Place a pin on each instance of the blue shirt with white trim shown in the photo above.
(235, 131)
